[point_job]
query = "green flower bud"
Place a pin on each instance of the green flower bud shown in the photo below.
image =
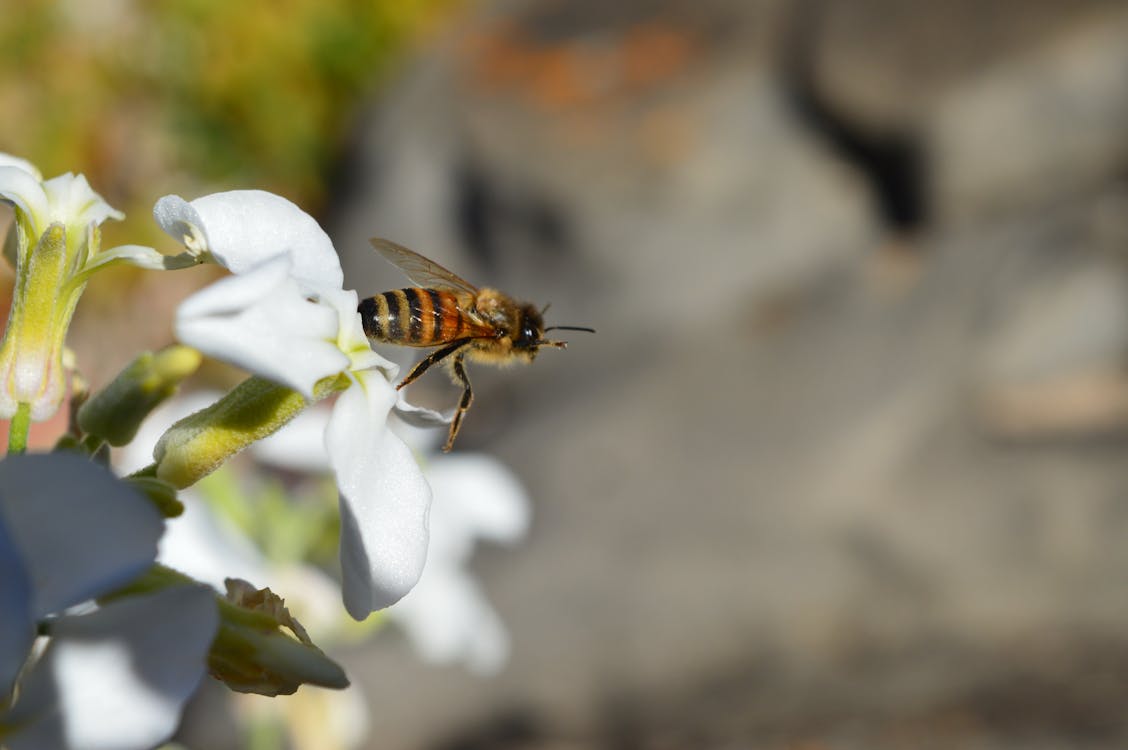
(253, 654)
(116, 412)
(200, 443)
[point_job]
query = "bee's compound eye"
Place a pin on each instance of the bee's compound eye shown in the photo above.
(531, 328)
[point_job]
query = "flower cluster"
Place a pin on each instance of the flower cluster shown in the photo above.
(93, 624)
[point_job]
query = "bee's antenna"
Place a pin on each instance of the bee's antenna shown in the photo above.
(570, 328)
(562, 344)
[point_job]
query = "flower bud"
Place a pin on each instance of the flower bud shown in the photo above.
(253, 654)
(31, 356)
(200, 443)
(116, 412)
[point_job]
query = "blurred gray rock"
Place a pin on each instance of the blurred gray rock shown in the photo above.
(1045, 124)
(799, 448)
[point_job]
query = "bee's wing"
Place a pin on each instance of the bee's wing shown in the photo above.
(424, 272)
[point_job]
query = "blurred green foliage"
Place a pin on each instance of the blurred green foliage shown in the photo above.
(193, 95)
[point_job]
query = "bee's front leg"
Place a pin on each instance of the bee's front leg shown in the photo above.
(463, 403)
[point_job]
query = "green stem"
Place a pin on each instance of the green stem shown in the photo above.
(18, 429)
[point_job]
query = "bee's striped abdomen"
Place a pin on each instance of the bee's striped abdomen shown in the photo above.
(413, 317)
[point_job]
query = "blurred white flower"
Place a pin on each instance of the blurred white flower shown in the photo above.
(285, 317)
(117, 677)
(314, 719)
(446, 616)
(207, 547)
(210, 548)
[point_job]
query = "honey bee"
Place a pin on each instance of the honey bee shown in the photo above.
(465, 322)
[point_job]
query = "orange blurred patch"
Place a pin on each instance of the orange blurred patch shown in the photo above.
(574, 74)
(666, 135)
(653, 54)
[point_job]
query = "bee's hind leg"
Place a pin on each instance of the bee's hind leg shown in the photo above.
(463, 403)
(436, 356)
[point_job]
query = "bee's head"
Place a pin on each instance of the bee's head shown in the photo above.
(530, 330)
(530, 333)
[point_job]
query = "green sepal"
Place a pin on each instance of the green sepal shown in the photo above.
(200, 443)
(43, 300)
(160, 493)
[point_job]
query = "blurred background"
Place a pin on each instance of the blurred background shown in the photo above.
(845, 465)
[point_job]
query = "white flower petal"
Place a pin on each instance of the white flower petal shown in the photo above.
(25, 191)
(80, 530)
(119, 677)
(17, 626)
(73, 202)
(262, 322)
(199, 545)
(476, 496)
(243, 228)
(233, 294)
(7, 160)
(384, 498)
(300, 445)
(181, 222)
(418, 416)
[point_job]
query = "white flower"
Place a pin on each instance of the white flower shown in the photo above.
(117, 677)
(313, 719)
(446, 615)
(56, 239)
(284, 316)
(66, 199)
